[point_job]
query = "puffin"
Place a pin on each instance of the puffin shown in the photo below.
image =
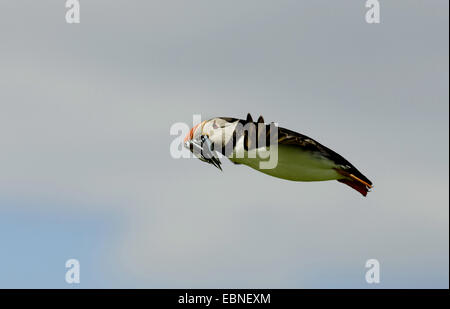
(272, 150)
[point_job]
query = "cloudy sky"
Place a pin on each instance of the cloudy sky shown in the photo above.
(86, 172)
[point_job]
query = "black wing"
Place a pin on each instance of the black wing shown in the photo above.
(288, 137)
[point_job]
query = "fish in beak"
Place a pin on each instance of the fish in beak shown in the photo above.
(201, 146)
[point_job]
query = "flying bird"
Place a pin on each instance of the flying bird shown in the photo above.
(297, 156)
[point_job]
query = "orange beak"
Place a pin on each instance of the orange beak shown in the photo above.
(190, 135)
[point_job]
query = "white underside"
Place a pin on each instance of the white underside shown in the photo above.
(292, 164)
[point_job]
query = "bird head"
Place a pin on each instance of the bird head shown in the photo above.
(198, 142)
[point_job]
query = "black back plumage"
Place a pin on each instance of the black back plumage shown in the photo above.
(288, 138)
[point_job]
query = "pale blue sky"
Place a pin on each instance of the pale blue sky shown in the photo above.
(85, 168)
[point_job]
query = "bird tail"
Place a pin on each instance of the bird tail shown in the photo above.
(360, 184)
